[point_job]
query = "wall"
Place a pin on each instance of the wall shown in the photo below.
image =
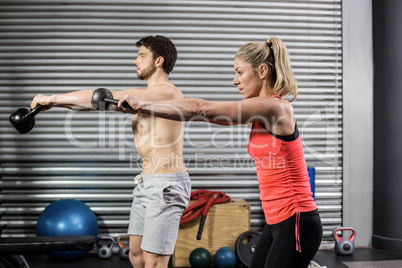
(358, 119)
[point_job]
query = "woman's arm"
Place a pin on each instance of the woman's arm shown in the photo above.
(223, 113)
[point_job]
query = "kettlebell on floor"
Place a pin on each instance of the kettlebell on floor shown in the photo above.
(105, 247)
(124, 249)
(344, 245)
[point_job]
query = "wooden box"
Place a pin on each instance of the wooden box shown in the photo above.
(223, 225)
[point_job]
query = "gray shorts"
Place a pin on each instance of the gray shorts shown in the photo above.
(159, 201)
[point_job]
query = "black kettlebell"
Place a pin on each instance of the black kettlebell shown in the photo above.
(24, 120)
(344, 245)
(102, 98)
(105, 247)
(124, 249)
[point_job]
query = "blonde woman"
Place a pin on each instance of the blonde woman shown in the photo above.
(263, 75)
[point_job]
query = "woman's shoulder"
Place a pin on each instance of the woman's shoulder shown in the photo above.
(278, 105)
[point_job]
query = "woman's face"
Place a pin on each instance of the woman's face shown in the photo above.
(246, 79)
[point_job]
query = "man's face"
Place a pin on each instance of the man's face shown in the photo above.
(145, 63)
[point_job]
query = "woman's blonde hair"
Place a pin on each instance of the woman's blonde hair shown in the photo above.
(274, 53)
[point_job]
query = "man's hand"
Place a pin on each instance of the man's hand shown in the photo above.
(132, 102)
(43, 100)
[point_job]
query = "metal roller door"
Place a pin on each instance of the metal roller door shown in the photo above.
(55, 46)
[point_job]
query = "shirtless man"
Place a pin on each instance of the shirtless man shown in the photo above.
(163, 188)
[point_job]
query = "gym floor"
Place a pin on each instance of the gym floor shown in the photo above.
(361, 258)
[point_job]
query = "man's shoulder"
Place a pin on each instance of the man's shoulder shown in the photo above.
(167, 89)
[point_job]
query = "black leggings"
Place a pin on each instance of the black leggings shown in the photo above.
(277, 245)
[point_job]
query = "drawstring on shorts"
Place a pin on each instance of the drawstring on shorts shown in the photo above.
(138, 179)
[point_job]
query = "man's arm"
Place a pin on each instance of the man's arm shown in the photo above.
(81, 100)
(154, 93)
(76, 100)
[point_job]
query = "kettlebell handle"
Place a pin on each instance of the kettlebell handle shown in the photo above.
(121, 245)
(111, 240)
(34, 111)
(351, 237)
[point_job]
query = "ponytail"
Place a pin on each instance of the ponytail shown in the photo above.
(285, 82)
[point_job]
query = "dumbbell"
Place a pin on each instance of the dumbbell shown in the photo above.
(105, 247)
(24, 120)
(124, 250)
(102, 98)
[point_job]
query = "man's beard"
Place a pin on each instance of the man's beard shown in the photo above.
(146, 73)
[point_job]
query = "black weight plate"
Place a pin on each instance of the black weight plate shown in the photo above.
(245, 246)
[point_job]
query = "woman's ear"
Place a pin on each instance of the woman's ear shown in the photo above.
(263, 71)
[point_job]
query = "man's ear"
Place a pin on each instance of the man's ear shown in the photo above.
(263, 71)
(159, 61)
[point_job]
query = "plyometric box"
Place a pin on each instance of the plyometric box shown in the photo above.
(223, 225)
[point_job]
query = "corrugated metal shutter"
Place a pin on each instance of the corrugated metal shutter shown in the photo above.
(55, 46)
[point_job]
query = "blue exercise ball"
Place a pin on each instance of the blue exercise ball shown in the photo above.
(67, 217)
(225, 258)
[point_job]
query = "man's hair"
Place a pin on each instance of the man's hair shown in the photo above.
(160, 46)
